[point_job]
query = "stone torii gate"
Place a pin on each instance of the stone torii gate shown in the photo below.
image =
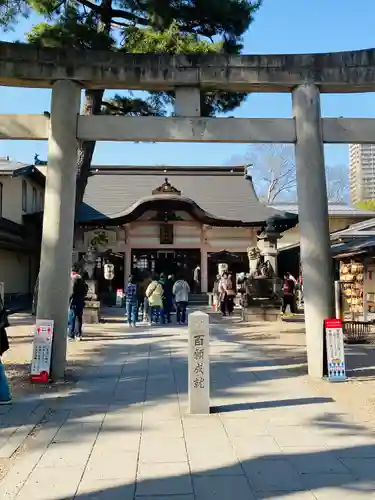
(304, 76)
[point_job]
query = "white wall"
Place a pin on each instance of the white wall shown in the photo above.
(186, 235)
(229, 238)
(12, 197)
(147, 235)
(14, 271)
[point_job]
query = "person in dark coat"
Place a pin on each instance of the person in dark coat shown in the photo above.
(76, 303)
(5, 394)
(289, 298)
(167, 284)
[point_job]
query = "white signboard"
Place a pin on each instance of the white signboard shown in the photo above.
(42, 350)
(199, 363)
(335, 350)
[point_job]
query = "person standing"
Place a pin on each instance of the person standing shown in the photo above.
(289, 287)
(167, 298)
(223, 293)
(131, 301)
(76, 304)
(231, 293)
(215, 292)
(197, 279)
(181, 291)
(5, 394)
(154, 294)
(142, 304)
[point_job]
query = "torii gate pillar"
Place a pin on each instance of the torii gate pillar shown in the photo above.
(316, 255)
(58, 219)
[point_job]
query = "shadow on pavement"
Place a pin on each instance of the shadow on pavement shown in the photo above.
(346, 473)
(123, 375)
(270, 404)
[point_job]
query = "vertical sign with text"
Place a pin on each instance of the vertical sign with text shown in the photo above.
(42, 351)
(335, 350)
(199, 363)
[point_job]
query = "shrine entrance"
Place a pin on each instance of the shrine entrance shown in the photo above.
(169, 262)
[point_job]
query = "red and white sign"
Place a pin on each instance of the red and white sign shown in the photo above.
(119, 297)
(42, 351)
(335, 350)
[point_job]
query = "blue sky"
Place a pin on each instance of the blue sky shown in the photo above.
(281, 26)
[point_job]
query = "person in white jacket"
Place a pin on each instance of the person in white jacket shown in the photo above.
(181, 291)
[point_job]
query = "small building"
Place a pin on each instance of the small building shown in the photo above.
(353, 250)
(340, 216)
(173, 219)
(21, 202)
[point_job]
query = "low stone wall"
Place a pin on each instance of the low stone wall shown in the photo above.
(258, 313)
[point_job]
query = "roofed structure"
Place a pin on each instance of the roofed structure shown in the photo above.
(219, 196)
(334, 209)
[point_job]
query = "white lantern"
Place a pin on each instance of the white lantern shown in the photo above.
(109, 272)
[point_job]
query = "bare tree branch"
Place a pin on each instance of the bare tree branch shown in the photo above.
(273, 170)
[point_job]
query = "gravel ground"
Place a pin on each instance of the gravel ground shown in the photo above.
(286, 342)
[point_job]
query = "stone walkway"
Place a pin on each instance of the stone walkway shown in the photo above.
(122, 431)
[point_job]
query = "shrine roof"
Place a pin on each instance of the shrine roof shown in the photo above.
(216, 195)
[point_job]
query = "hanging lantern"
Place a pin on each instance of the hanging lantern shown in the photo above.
(109, 272)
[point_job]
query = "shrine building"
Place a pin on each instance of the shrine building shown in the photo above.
(171, 219)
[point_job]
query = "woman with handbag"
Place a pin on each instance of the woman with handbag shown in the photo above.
(226, 295)
(231, 294)
(5, 394)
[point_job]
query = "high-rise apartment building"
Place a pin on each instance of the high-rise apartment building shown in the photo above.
(362, 172)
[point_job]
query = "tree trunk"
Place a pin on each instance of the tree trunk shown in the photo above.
(92, 106)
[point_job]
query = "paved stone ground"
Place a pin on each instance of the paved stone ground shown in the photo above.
(122, 432)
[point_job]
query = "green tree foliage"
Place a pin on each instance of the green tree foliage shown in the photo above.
(366, 205)
(147, 27)
(10, 11)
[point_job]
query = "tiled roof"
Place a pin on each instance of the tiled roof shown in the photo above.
(7, 167)
(353, 247)
(223, 192)
(334, 209)
(359, 229)
(17, 169)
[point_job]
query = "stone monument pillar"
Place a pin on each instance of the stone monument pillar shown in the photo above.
(58, 218)
(199, 363)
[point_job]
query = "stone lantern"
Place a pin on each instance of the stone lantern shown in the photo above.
(269, 250)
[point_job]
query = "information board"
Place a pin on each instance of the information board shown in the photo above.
(335, 350)
(42, 350)
(119, 297)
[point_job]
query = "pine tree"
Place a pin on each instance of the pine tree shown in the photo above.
(143, 26)
(11, 11)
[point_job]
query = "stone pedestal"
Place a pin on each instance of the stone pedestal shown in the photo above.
(91, 312)
(199, 363)
(260, 314)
